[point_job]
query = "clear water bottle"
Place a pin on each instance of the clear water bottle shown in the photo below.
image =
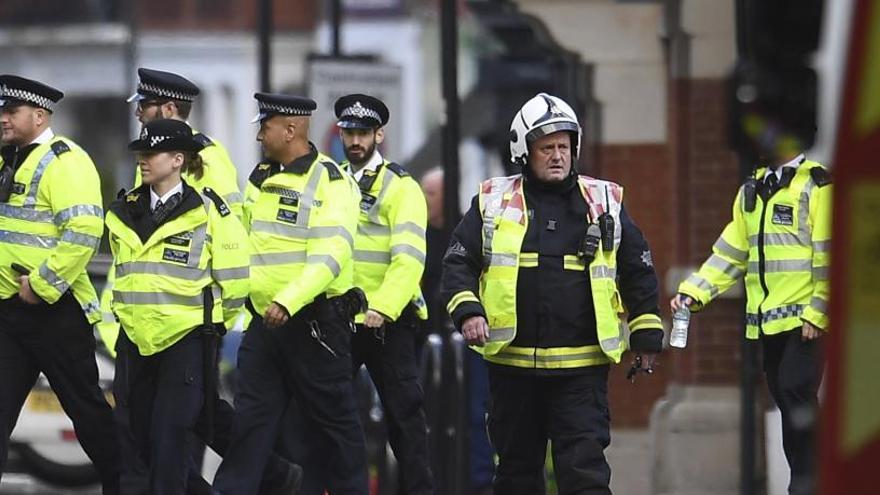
(680, 321)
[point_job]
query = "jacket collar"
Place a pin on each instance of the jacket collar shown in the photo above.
(302, 164)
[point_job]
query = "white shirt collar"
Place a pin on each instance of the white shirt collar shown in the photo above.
(44, 137)
(794, 163)
(154, 198)
(373, 165)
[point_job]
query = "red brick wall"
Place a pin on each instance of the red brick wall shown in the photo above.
(224, 14)
(680, 194)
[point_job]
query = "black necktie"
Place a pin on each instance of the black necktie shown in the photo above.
(162, 210)
(771, 184)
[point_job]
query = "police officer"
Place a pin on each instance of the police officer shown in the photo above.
(389, 259)
(779, 241)
(165, 95)
(302, 226)
(181, 270)
(50, 227)
(536, 275)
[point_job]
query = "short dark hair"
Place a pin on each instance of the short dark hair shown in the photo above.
(183, 108)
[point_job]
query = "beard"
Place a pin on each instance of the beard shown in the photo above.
(359, 161)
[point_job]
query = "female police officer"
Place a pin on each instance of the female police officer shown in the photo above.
(181, 265)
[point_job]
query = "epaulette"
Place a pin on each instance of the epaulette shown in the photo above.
(60, 148)
(218, 201)
(333, 170)
(204, 140)
(821, 176)
(261, 172)
(398, 169)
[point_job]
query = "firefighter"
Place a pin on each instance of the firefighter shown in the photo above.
(537, 274)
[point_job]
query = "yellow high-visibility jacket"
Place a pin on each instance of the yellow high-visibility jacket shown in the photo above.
(783, 250)
(389, 248)
(220, 175)
(52, 224)
(302, 225)
(158, 288)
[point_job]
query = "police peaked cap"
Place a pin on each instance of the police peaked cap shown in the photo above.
(166, 135)
(359, 111)
(158, 85)
(19, 90)
(271, 104)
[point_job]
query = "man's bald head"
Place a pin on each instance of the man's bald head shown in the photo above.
(432, 187)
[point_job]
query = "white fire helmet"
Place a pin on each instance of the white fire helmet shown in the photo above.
(542, 115)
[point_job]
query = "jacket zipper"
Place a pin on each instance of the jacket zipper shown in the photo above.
(761, 268)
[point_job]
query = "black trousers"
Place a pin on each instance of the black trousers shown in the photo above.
(276, 365)
(165, 393)
(571, 411)
(136, 477)
(58, 341)
(794, 372)
(390, 358)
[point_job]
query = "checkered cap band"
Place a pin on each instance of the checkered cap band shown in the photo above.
(360, 111)
(283, 109)
(20, 94)
(165, 92)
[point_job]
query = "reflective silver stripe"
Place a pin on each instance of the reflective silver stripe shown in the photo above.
(778, 239)
(233, 197)
(78, 211)
(308, 195)
(411, 227)
(819, 304)
(702, 284)
(86, 240)
(326, 260)
(27, 214)
(602, 271)
(373, 214)
(224, 274)
(729, 250)
(53, 279)
(567, 357)
(610, 344)
(159, 298)
(234, 303)
(782, 312)
(108, 318)
(35, 240)
(722, 265)
(160, 268)
(330, 232)
(501, 334)
(821, 246)
(31, 199)
(820, 273)
(373, 229)
(804, 212)
(267, 259)
(372, 256)
(291, 231)
(198, 244)
(503, 259)
(407, 249)
(778, 266)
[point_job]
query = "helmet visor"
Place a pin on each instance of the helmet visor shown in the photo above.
(550, 128)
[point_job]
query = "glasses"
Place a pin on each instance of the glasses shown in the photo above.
(145, 104)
